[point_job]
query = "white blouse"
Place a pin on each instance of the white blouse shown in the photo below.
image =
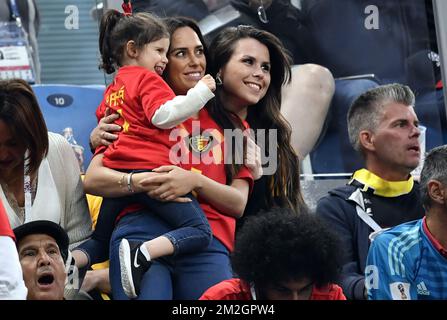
(59, 194)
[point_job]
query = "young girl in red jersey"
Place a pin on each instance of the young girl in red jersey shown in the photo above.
(137, 44)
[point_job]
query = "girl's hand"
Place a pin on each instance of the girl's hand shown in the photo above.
(170, 184)
(209, 81)
(103, 133)
(253, 158)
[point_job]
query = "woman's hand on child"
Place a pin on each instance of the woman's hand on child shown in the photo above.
(103, 133)
(209, 81)
(253, 158)
(97, 279)
(170, 184)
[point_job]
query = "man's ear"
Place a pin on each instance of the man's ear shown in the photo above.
(131, 49)
(437, 191)
(366, 139)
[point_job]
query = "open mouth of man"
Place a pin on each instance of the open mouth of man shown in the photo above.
(46, 280)
(415, 149)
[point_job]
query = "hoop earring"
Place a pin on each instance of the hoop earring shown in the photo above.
(262, 15)
(218, 79)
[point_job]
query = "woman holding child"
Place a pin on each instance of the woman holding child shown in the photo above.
(252, 70)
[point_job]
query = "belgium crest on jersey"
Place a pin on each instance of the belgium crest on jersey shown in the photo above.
(200, 143)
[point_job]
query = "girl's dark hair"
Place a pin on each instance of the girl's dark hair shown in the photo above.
(284, 184)
(174, 23)
(283, 245)
(117, 29)
(20, 111)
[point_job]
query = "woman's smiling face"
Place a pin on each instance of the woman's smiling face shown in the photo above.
(246, 76)
(187, 62)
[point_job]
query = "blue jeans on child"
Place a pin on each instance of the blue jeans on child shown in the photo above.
(189, 230)
(179, 277)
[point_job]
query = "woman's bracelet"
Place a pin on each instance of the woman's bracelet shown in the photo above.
(129, 183)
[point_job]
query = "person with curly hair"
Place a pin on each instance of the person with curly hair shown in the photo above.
(282, 255)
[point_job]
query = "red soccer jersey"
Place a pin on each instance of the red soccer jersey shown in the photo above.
(136, 93)
(5, 227)
(201, 145)
(237, 289)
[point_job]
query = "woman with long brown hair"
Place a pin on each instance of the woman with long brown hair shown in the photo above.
(252, 66)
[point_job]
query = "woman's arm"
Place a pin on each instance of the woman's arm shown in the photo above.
(102, 181)
(97, 279)
(64, 167)
(177, 110)
(173, 182)
(104, 133)
(230, 200)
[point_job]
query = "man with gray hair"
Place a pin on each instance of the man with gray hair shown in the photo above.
(409, 262)
(383, 128)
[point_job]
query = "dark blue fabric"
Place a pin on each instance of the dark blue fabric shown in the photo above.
(334, 153)
(195, 9)
(180, 277)
(430, 109)
(286, 22)
(189, 232)
(5, 13)
(340, 213)
(343, 44)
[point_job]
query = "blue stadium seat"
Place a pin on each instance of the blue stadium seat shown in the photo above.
(71, 106)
